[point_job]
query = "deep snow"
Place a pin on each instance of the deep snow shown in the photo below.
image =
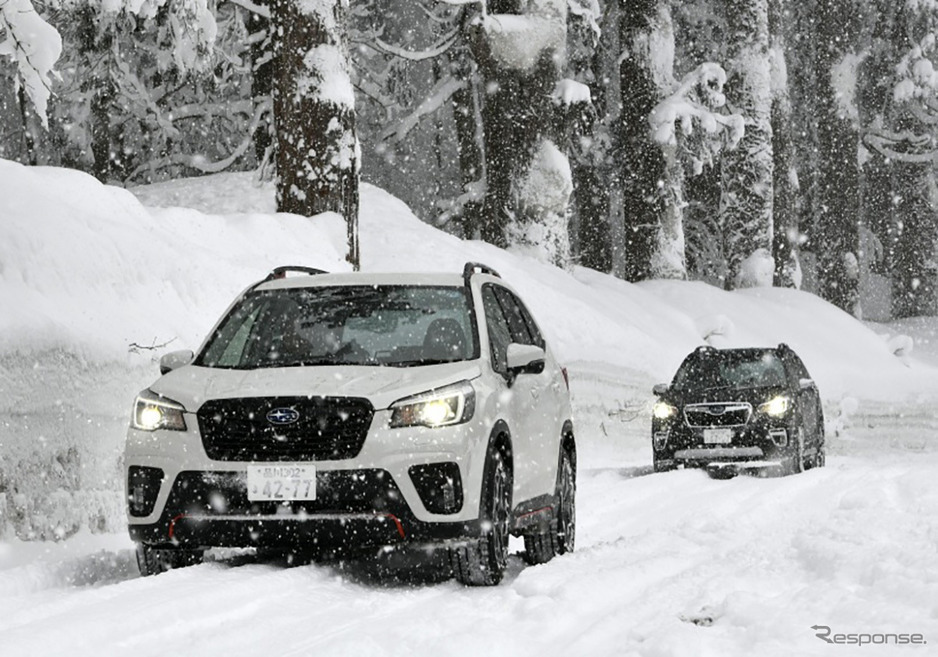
(666, 564)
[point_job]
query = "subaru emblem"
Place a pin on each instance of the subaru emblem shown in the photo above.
(716, 410)
(282, 416)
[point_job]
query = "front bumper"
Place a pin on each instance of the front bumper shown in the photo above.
(358, 509)
(759, 442)
(177, 494)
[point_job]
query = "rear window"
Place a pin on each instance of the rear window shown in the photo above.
(396, 326)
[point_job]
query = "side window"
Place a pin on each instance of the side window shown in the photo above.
(796, 368)
(499, 333)
(533, 329)
(516, 325)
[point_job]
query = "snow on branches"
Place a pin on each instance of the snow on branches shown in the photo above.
(34, 45)
(688, 117)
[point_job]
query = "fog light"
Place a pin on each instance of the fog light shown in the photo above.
(779, 436)
(661, 439)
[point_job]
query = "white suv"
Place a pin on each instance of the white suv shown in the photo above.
(329, 411)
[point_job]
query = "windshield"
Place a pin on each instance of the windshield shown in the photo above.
(737, 369)
(345, 325)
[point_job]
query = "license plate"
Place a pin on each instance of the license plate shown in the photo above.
(718, 436)
(281, 482)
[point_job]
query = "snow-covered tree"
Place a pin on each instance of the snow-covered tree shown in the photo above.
(520, 48)
(900, 130)
(747, 192)
(646, 41)
(786, 237)
(34, 46)
(314, 112)
(836, 238)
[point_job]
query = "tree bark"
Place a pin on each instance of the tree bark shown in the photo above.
(837, 234)
(784, 174)
(746, 201)
(314, 113)
(641, 160)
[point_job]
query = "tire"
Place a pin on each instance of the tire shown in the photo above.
(153, 561)
(560, 535)
(796, 463)
(662, 467)
(820, 458)
(482, 561)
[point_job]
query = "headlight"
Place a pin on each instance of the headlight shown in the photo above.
(777, 406)
(437, 408)
(152, 412)
(663, 410)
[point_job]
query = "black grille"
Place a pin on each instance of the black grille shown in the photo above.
(717, 415)
(324, 428)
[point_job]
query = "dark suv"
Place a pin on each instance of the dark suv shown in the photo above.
(731, 409)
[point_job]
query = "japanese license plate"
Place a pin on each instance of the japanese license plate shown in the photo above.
(281, 482)
(717, 436)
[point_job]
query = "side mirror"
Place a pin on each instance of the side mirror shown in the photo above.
(659, 389)
(806, 384)
(525, 358)
(175, 359)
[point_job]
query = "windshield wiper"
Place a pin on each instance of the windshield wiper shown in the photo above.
(419, 361)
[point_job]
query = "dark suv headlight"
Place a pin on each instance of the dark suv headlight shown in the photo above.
(443, 407)
(663, 410)
(777, 406)
(153, 411)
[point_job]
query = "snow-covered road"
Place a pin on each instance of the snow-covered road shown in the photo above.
(666, 564)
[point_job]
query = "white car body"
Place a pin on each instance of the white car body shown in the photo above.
(531, 409)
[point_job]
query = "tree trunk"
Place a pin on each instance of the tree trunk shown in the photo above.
(914, 276)
(517, 118)
(262, 77)
(746, 201)
(640, 158)
(784, 176)
(837, 234)
(588, 61)
(466, 115)
(314, 113)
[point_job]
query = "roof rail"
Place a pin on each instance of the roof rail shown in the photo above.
(281, 272)
(477, 268)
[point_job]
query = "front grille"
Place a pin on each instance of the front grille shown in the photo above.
(719, 414)
(320, 428)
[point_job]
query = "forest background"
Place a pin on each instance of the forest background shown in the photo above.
(739, 142)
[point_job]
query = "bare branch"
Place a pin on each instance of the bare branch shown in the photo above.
(430, 53)
(252, 7)
(441, 92)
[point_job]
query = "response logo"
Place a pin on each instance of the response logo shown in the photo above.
(823, 632)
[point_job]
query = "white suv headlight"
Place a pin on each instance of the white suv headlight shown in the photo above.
(152, 412)
(436, 408)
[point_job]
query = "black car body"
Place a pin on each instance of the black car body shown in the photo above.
(748, 408)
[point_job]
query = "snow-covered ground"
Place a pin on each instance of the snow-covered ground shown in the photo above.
(93, 281)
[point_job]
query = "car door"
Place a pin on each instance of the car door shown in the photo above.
(537, 396)
(513, 397)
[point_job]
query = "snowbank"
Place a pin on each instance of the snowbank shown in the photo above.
(95, 285)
